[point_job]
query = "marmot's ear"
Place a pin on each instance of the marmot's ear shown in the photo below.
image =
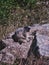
(27, 29)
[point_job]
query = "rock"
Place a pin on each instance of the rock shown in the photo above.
(43, 40)
(14, 49)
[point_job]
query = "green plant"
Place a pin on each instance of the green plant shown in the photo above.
(24, 3)
(5, 7)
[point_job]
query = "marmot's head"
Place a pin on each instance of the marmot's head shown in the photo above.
(26, 28)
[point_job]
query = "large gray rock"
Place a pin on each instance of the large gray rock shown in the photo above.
(43, 40)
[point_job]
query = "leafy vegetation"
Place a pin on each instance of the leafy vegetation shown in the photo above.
(25, 3)
(7, 5)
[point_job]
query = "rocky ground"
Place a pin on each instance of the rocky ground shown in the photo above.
(29, 48)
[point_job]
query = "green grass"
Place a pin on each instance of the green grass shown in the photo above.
(7, 5)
